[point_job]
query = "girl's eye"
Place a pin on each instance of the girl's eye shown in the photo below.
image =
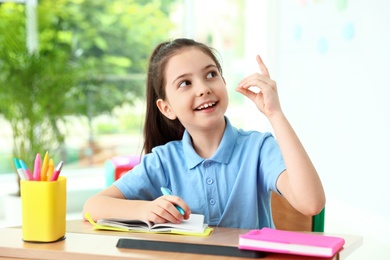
(184, 83)
(211, 74)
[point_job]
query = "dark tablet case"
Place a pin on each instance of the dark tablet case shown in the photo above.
(187, 248)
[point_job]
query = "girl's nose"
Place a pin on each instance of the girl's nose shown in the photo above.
(204, 90)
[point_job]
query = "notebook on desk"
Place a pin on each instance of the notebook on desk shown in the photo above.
(290, 242)
(194, 226)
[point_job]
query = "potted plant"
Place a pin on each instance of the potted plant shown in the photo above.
(34, 97)
(34, 88)
(83, 66)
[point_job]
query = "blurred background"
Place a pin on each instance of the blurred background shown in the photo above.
(72, 77)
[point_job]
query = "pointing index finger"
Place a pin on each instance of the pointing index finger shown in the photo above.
(262, 66)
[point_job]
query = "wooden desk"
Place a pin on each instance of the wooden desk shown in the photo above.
(82, 242)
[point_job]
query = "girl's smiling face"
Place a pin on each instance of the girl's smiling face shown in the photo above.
(196, 92)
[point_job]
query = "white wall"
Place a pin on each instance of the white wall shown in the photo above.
(331, 61)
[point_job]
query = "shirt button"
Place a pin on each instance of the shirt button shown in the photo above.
(209, 181)
(212, 201)
(207, 164)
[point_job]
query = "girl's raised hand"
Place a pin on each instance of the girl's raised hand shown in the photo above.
(261, 89)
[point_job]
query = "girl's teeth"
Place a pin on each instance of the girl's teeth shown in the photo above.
(205, 106)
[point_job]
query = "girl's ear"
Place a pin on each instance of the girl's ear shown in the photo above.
(165, 109)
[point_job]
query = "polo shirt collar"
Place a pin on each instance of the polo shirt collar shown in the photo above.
(223, 153)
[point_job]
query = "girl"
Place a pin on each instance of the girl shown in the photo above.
(191, 147)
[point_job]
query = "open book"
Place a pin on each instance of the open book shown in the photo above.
(194, 226)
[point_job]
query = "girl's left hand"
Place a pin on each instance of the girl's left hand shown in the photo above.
(266, 97)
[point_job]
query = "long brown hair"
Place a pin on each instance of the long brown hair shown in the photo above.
(158, 129)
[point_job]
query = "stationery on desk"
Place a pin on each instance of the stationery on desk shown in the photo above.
(37, 167)
(45, 166)
(57, 171)
(23, 174)
(290, 242)
(50, 169)
(194, 226)
(43, 171)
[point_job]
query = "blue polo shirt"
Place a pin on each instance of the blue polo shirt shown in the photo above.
(231, 189)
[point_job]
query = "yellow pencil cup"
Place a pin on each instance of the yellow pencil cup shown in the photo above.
(43, 210)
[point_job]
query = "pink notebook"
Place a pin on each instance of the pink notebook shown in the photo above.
(290, 242)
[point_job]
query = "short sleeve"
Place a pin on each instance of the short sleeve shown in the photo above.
(271, 163)
(143, 182)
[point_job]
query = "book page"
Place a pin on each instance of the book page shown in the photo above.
(194, 224)
(124, 223)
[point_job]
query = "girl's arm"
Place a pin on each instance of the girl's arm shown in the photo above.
(300, 183)
(110, 203)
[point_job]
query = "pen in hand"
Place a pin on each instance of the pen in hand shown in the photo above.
(166, 191)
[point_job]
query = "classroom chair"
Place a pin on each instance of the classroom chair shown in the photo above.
(119, 165)
(287, 218)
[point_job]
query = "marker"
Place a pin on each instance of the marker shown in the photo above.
(50, 169)
(19, 169)
(57, 171)
(26, 170)
(37, 167)
(166, 191)
(45, 166)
